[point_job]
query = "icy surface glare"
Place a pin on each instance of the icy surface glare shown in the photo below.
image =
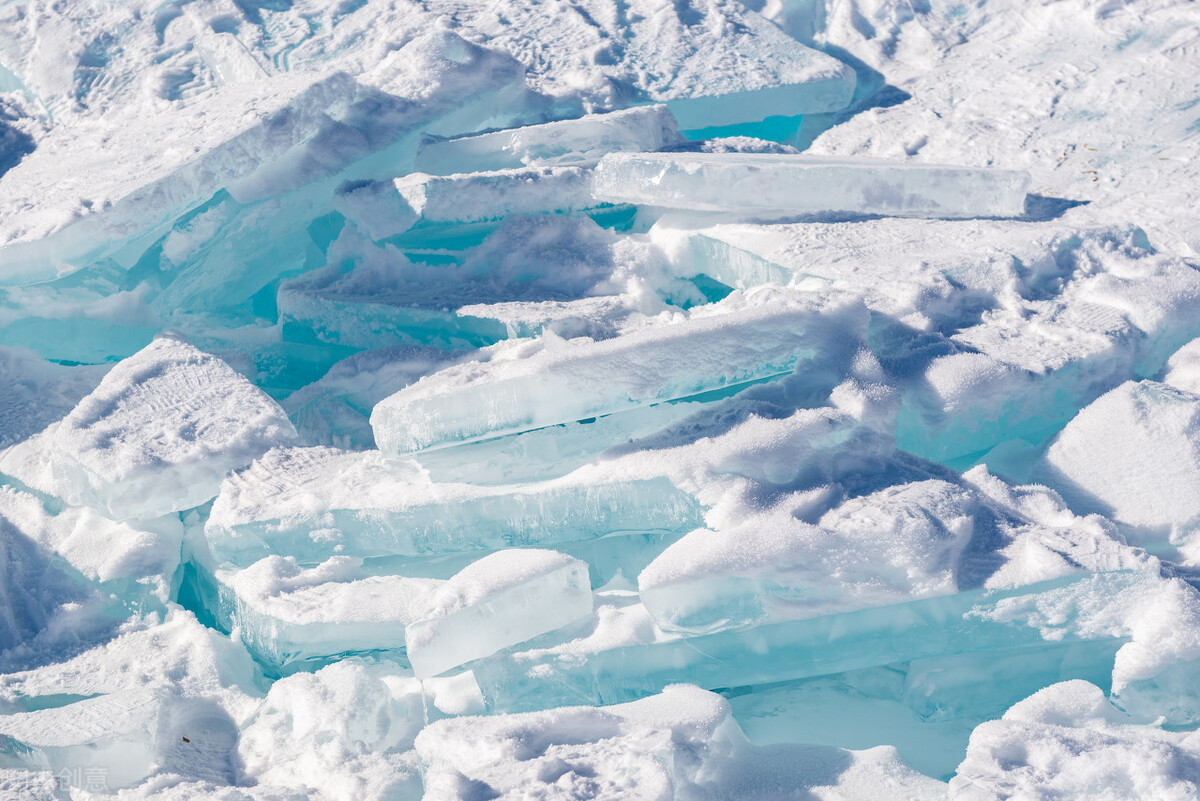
(656, 400)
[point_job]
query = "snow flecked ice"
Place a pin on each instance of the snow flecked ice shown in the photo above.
(678, 400)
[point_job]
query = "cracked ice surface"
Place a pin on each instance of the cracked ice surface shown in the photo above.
(706, 399)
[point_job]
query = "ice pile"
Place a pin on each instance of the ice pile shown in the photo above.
(641, 400)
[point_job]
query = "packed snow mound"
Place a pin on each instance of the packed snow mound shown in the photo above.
(1069, 741)
(682, 743)
(1134, 455)
(160, 433)
(341, 732)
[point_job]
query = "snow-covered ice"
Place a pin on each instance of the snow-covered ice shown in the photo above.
(615, 399)
(756, 185)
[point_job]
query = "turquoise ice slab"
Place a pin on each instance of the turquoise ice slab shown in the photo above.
(315, 503)
(935, 627)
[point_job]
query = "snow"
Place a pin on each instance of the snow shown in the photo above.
(160, 432)
(1143, 434)
(704, 399)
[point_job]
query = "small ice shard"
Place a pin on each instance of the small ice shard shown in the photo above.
(1134, 455)
(893, 546)
(753, 184)
(578, 142)
(345, 729)
(161, 431)
(388, 208)
(1069, 741)
(580, 379)
(285, 614)
(682, 743)
(314, 503)
(501, 600)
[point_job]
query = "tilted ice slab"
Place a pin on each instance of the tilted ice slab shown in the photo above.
(160, 433)
(505, 598)
(579, 379)
(770, 185)
(314, 503)
(256, 138)
(1069, 741)
(286, 614)
(680, 744)
(580, 142)
(386, 209)
(1134, 455)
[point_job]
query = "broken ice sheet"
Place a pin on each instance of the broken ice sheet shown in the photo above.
(287, 615)
(791, 185)
(580, 141)
(313, 503)
(563, 382)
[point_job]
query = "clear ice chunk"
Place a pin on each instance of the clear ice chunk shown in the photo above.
(161, 431)
(286, 614)
(565, 382)
(386, 209)
(501, 600)
(314, 503)
(623, 662)
(750, 184)
(578, 142)
(895, 545)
